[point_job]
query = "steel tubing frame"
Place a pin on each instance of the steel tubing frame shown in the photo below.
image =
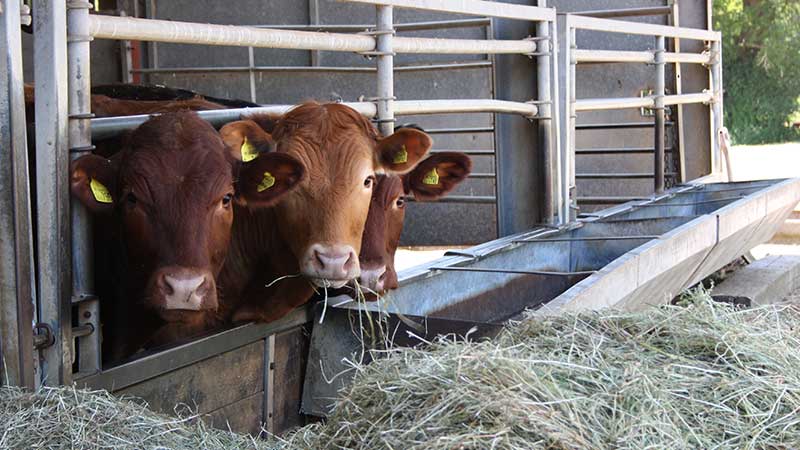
(68, 129)
(659, 57)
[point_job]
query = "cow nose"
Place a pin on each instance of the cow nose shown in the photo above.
(373, 279)
(183, 289)
(335, 263)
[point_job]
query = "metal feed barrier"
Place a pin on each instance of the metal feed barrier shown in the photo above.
(68, 329)
(66, 126)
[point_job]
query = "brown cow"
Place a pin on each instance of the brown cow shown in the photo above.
(431, 179)
(316, 230)
(166, 205)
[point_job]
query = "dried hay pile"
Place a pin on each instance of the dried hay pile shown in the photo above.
(68, 418)
(701, 376)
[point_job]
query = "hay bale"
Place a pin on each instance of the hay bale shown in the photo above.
(69, 418)
(702, 376)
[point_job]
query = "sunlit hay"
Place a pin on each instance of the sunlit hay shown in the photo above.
(705, 375)
(271, 283)
(67, 418)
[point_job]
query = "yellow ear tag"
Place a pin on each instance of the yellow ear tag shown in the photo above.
(431, 177)
(100, 192)
(267, 182)
(401, 156)
(249, 151)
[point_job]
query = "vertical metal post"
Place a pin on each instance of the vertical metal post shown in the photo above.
(313, 19)
(680, 145)
(16, 249)
(546, 49)
(52, 186)
(383, 45)
(80, 143)
(126, 57)
(564, 84)
(715, 77)
(251, 63)
(556, 146)
(569, 162)
(658, 162)
(269, 384)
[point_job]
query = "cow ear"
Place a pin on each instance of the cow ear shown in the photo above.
(401, 151)
(264, 180)
(246, 140)
(93, 181)
(437, 175)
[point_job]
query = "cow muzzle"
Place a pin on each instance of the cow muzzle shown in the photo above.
(330, 266)
(184, 289)
(373, 279)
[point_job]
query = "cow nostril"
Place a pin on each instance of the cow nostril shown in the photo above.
(169, 289)
(318, 259)
(382, 277)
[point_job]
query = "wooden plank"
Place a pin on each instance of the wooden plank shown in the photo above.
(291, 355)
(207, 385)
(243, 416)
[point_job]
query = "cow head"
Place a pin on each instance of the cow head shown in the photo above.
(322, 221)
(430, 180)
(169, 194)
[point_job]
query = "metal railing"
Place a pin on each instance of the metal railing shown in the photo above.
(571, 56)
(68, 30)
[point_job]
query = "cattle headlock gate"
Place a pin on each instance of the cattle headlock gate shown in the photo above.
(48, 310)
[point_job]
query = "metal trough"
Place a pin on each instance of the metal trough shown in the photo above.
(628, 257)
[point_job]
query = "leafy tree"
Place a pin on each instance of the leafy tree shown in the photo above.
(761, 68)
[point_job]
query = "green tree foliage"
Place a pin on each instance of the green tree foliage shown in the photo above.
(761, 68)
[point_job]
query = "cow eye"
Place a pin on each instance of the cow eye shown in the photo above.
(226, 201)
(130, 198)
(400, 203)
(369, 182)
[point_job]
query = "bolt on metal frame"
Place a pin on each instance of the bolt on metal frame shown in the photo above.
(71, 126)
(659, 57)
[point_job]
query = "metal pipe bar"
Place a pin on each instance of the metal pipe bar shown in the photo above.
(646, 29)
(399, 27)
(472, 7)
(658, 106)
(52, 186)
(79, 128)
(648, 57)
(598, 176)
(234, 69)
(544, 92)
(602, 104)
(595, 126)
(408, 107)
(588, 239)
(469, 199)
(131, 28)
(468, 152)
(482, 175)
(512, 271)
(109, 126)
(611, 56)
(17, 291)
(557, 146)
(385, 67)
(627, 12)
(82, 330)
(715, 77)
(613, 151)
(682, 99)
(467, 130)
(610, 200)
